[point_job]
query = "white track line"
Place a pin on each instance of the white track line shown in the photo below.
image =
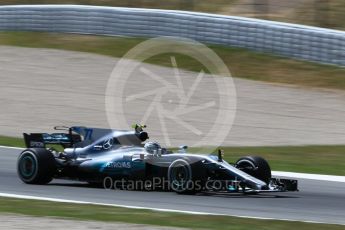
(26, 197)
(308, 176)
(321, 177)
(8, 147)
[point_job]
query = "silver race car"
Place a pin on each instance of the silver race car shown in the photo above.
(114, 158)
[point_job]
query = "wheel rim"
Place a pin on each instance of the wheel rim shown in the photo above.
(27, 166)
(179, 177)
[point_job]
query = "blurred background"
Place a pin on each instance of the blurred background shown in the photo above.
(322, 13)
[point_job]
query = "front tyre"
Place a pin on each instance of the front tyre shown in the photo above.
(181, 178)
(36, 166)
(255, 166)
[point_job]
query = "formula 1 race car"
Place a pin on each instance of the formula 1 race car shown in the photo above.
(120, 158)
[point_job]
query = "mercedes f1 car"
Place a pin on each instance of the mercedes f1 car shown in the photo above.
(102, 156)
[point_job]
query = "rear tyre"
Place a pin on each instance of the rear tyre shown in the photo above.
(256, 167)
(36, 166)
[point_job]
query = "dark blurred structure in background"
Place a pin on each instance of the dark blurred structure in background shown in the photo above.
(323, 13)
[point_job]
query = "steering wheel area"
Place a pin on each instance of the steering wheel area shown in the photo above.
(107, 144)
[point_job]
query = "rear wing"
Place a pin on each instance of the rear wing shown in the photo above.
(78, 136)
(40, 140)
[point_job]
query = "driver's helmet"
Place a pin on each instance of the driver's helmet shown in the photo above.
(151, 146)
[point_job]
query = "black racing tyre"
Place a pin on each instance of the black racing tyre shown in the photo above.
(256, 167)
(183, 179)
(36, 166)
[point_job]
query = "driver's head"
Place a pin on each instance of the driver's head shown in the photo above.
(151, 146)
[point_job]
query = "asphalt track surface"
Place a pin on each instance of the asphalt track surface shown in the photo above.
(316, 201)
(41, 88)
